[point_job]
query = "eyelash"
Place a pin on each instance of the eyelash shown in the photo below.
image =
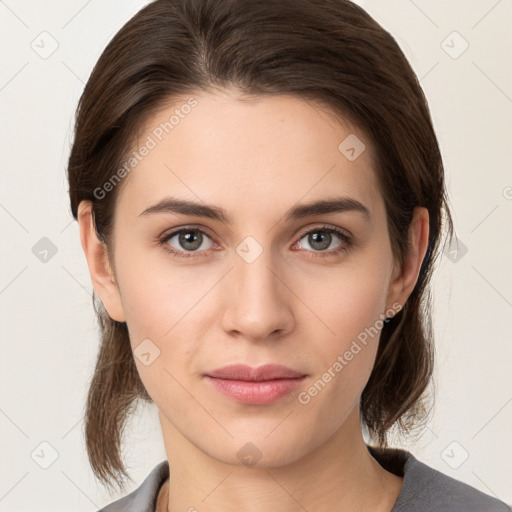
(344, 246)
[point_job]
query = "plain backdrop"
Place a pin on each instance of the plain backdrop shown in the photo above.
(461, 51)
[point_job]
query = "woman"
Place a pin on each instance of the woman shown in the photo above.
(261, 200)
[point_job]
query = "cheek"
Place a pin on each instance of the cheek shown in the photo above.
(161, 307)
(352, 307)
(155, 295)
(353, 298)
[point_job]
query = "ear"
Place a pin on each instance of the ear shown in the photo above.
(102, 274)
(405, 278)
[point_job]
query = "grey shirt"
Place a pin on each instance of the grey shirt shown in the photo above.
(424, 489)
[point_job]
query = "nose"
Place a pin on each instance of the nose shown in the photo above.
(258, 302)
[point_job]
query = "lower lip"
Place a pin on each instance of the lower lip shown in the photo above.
(255, 393)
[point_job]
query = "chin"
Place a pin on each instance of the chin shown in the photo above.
(258, 451)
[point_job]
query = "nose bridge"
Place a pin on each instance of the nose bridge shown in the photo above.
(256, 279)
(258, 303)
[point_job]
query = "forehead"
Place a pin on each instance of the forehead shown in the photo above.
(265, 153)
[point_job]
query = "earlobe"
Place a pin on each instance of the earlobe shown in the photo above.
(100, 269)
(407, 276)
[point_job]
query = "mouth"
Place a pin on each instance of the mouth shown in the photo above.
(255, 386)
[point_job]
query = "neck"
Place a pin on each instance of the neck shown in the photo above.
(340, 474)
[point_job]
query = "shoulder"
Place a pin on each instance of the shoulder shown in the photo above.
(433, 490)
(143, 498)
(426, 489)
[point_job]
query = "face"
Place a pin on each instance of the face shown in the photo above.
(266, 282)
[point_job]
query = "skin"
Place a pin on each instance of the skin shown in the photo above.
(291, 306)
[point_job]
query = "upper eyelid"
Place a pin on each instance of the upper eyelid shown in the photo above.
(174, 231)
(302, 233)
(327, 227)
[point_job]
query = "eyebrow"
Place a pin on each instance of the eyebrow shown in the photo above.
(321, 207)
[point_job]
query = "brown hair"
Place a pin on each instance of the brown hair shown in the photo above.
(329, 51)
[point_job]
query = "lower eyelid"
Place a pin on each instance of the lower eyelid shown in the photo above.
(345, 239)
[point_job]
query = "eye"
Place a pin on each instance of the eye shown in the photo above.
(188, 240)
(321, 238)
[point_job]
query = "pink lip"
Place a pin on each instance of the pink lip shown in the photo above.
(255, 386)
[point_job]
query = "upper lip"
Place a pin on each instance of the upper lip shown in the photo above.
(247, 373)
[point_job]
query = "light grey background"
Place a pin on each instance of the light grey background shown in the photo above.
(49, 335)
